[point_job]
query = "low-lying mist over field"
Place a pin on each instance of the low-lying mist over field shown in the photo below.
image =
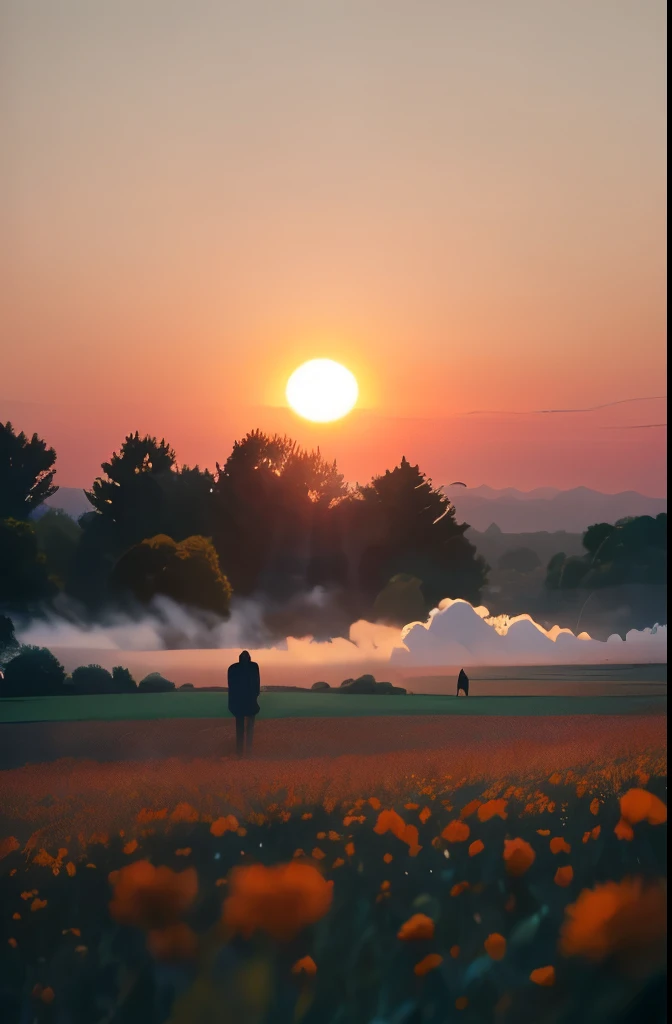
(191, 647)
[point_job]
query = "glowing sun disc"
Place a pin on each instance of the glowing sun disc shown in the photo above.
(322, 390)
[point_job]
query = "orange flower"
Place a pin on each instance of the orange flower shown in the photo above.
(543, 831)
(425, 815)
(459, 888)
(307, 816)
(175, 942)
(476, 847)
(350, 849)
(131, 847)
(564, 876)
(317, 853)
(184, 812)
(388, 858)
(456, 832)
(71, 869)
(461, 1003)
(222, 825)
(12, 942)
(279, 900)
(518, 855)
(495, 946)
(544, 976)
(38, 904)
(419, 926)
(411, 807)
(390, 821)
(151, 898)
(338, 863)
(558, 845)
(640, 805)
(306, 965)
(470, 808)
(374, 802)
(45, 995)
(183, 852)
(8, 845)
(624, 830)
(427, 964)
(595, 806)
(492, 809)
(454, 952)
(626, 918)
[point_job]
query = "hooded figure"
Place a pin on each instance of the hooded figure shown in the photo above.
(462, 683)
(244, 688)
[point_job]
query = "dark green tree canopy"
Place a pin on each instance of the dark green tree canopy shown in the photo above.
(26, 473)
(412, 530)
(188, 572)
(34, 672)
(23, 574)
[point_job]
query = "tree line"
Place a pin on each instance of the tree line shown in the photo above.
(272, 522)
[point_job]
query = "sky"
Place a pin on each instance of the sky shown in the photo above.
(463, 201)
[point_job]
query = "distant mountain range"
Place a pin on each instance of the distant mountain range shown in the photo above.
(512, 511)
(547, 508)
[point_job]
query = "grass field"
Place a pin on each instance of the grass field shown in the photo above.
(115, 707)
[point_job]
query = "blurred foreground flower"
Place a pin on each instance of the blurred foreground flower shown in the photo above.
(518, 855)
(149, 897)
(640, 805)
(625, 918)
(419, 926)
(176, 942)
(279, 900)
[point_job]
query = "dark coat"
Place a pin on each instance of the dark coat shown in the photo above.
(244, 688)
(463, 682)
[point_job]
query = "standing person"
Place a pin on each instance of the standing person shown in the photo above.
(462, 683)
(244, 688)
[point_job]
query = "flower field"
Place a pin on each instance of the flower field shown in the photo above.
(360, 893)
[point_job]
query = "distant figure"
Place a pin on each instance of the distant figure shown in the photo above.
(462, 683)
(244, 688)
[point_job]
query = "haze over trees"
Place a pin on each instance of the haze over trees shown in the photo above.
(272, 523)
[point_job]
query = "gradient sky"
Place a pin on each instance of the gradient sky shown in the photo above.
(464, 202)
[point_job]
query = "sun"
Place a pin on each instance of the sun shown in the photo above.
(322, 390)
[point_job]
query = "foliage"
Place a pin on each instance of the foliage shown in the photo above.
(92, 679)
(123, 680)
(631, 551)
(26, 473)
(187, 572)
(33, 672)
(155, 683)
(522, 560)
(9, 645)
(23, 573)
(400, 602)
(369, 685)
(410, 528)
(57, 538)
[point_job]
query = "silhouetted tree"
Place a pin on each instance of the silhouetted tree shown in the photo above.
(9, 645)
(26, 473)
(522, 560)
(23, 574)
(92, 679)
(123, 680)
(411, 529)
(400, 602)
(34, 672)
(269, 495)
(155, 683)
(187, 572)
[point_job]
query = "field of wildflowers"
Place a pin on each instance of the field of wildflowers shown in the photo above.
(533, 897)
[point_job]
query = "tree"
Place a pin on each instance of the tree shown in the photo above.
(271, 500)
(26, 473)
(58, 536)
(92, 679)
(23, 574)
(187, 572)
(631, 551)
(521, 560)
(123, 680)
(130, 497)
(400, 602)
(34, 672)
(410, 528)
(155, 683)
(9, 645)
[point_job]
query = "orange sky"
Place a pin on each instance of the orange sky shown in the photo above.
(464, 203)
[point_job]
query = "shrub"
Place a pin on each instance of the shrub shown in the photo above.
(91, 679)
(155, 683)
(368, 684)
(321, 687)
(33, 672)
